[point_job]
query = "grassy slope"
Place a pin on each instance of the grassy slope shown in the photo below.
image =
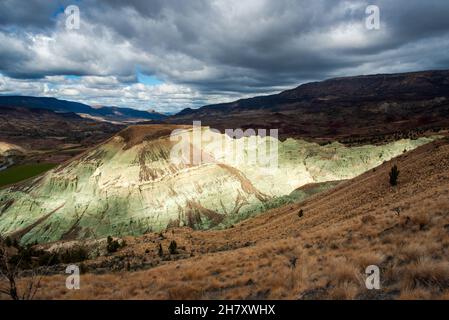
(278, 255)
(21, 172)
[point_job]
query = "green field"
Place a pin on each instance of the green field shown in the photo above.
(21, 172)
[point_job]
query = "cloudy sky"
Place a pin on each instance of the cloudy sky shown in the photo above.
(171, 54)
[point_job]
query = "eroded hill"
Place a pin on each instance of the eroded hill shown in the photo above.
(129, 185)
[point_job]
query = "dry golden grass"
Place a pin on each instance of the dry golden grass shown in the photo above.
(415, 294)
(426, 273)
(322, 255)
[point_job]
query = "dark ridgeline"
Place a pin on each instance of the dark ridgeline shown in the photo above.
(351, 109)
(63, 106)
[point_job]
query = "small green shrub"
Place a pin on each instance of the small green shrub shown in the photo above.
(112, 245)
(394, 173)
(8, 242)
(83, 268)
(76, 254)
(160, 252)
(172, 248)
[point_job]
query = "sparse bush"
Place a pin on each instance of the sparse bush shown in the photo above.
(160, 252)
(112, 245)
(426, 273)
(394, 173)
(77, 254)
(24, 256)
(172, 248)
(48, 259)
(343, 291)
(8, 242)
(421, 220)
(13, 261)
(368, 219)
(83, 268)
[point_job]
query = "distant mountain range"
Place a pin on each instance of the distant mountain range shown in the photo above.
(358, 109)
(101, 113)
(342, 108)
(406, 86)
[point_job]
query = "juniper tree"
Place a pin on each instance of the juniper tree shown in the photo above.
(394, 173)
(160, 251)
(172, 247)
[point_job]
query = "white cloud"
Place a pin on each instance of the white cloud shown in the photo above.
(108, 91)
(210, 51)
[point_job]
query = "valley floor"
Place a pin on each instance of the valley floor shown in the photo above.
(322, 254)
(22, 172)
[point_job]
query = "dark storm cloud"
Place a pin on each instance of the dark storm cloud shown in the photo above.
(222, 49)
(30, 13)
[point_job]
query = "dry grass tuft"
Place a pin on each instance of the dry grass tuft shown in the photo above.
(184, 292)
(366, 259)
(413, 252)
(344, 272)
(344, 291)
(415, 294)
(426, 273)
